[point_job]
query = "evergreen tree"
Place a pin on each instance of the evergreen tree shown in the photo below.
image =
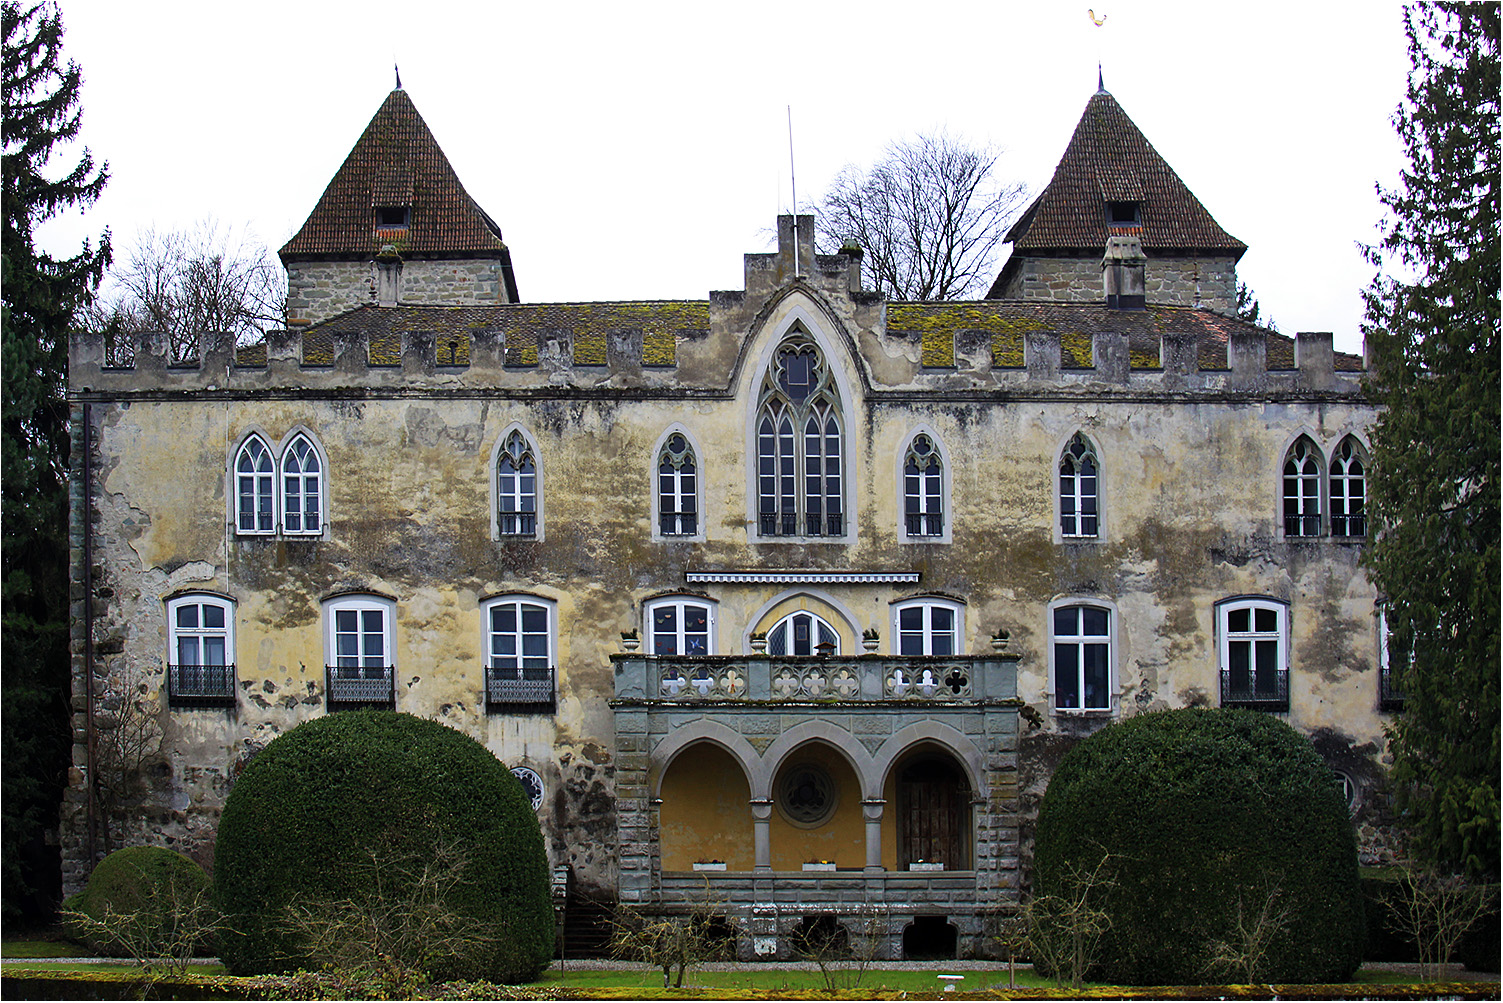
(1432, 326)
(40, 294)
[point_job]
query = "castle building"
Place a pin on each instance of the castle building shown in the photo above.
(793, 593)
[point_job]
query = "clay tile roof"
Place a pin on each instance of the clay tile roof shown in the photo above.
(396, 162)
(1110, 160)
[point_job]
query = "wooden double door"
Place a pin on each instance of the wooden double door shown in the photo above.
(934, 813)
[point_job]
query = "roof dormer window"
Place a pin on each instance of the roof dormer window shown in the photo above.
(1123, 214)
(389, 217)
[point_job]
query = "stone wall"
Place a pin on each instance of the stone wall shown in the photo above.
(1209, 282)
(318, 290)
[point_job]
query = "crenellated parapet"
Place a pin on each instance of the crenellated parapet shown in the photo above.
(687, 347)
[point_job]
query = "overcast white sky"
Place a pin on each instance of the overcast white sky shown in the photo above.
(636, 151)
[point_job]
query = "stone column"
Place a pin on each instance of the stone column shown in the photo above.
(872, 812)
(761, 809)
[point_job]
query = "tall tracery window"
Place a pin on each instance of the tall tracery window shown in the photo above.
(516, 487)
(255, 474)
(1078, 500)
(1302, 489)
(1348, 490)
(678, 488)
(802, 634)
(302, 496)
(800, 477)
(923, 488)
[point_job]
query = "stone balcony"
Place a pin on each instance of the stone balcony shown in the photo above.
(759, 678)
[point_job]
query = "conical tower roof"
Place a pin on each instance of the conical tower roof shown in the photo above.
(1110, 160)
(396, 164)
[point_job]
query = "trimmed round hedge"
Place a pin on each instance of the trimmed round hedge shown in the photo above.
(341, 802)
(143, 886)
(1202, 812)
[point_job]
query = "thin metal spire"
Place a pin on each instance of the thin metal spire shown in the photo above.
(398, 70)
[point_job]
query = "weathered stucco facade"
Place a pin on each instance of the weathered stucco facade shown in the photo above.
(824, 666)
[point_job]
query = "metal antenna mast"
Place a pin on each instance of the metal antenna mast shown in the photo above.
(793, 182)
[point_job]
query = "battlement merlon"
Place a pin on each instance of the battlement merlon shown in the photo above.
(501, 357)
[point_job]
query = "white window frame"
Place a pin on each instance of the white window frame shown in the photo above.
(519, 599)
(257, 476)
(497, 520)
(658, 451)
(175, 632)
(1315, 460)
(679, 603)
(1078, 642)
(1225, 638)
(1347, 480)
(360, 603)
(1078, 496)
(927, 605)
(321, 494)
(942, 457)
(817, 622)
(277, 477)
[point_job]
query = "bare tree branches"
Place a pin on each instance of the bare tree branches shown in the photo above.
(1437, 910)
(1243, 953)
(401, 928)
(673, 944)
(210, 278)
(929, 216)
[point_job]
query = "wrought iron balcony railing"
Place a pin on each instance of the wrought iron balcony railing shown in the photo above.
(788, 524)
(1256, 691)
(1390, 697)
(513, 687)
(201, 685)
(360, 686)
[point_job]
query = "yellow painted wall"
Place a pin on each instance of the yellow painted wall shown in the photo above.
(841, 839)
(706, 811)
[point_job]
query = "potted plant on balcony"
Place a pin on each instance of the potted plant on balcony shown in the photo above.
(759, 642)
(926, 865)
(629, 640)
(870, 637)
(709, 865)
(819, 865)
(1000, 639)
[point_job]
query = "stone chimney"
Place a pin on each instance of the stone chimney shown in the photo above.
(388, 276)
(1122, 272)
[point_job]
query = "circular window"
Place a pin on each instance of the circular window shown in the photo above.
(806, 795)
(532, 785)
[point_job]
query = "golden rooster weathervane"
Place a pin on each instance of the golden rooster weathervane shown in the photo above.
(1097, 21)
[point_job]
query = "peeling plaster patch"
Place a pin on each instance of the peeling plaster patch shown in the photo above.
(193, 572)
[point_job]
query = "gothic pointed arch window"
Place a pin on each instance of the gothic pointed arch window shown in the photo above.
(1348, 490)
(923, 489)
(1079, 490)
(1302, 489)
(517, 494)
(800, 445)
(302, 488)
(255, 491)
(678, 487)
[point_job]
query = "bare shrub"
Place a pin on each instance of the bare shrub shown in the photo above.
(1436, 911)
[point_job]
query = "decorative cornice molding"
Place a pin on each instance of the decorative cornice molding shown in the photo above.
(801, 577)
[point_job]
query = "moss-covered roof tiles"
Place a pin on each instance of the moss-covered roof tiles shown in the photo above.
(581, 328)
(1005, 323)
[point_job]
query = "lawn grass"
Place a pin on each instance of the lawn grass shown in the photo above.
(772, 978)
(42, 949)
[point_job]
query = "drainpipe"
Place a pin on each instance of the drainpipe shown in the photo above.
(88, 614)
